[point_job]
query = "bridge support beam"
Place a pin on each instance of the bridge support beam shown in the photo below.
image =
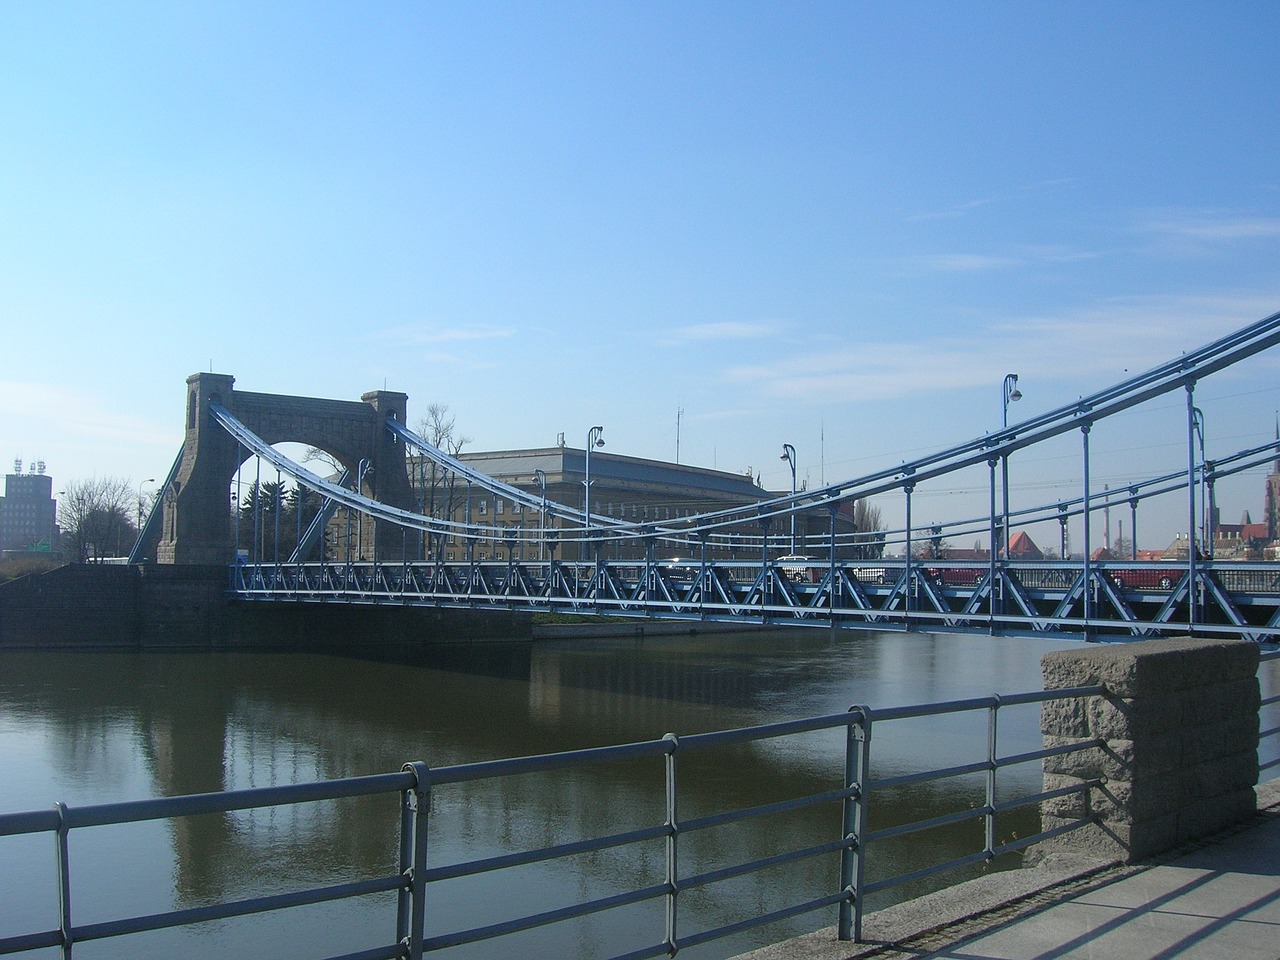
(1179, 760)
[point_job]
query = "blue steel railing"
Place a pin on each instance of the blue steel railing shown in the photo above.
(853, 844)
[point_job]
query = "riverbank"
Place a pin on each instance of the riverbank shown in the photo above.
(188, 607)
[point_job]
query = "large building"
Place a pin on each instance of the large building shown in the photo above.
(623, 488)
(28, 512)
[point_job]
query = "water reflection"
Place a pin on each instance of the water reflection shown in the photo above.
(88, 728)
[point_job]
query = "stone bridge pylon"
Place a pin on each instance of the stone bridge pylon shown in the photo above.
(197, 512)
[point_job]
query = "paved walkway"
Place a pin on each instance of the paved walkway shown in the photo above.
(1219, 901)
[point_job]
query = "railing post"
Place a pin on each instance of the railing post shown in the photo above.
(990, 819)
(996, 539)
(673, 836)
(411, 904)
(833, 509)
(1087, 599)
(1192, 575)
(857, 759)
(906, 556)
(64, 882)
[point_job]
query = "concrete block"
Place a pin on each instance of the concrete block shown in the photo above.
(1205, 817)
(1207, 742)
(1180, 721)
(1220, 776)
(1085, 764)
(1149, 837)
(1222, 700)
(1151, 667)
(1093, 840)
(1065, 718)
(1070, 807)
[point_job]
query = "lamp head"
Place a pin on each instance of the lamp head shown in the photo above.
(1011, 391)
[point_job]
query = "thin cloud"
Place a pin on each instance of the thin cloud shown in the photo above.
(729, 330)
(964, 262)
(952, 213)
(419, 334)
(1022, 256)
(1222, 229)
(1098, 344)
(47, 409)
(964, 209)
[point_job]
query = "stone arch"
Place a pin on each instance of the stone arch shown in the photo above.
(197, 527)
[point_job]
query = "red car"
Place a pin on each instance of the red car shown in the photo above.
(1140, 578)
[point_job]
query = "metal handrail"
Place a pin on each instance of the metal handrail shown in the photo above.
(417, 780)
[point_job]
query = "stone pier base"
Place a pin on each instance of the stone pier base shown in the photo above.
(1179, 722)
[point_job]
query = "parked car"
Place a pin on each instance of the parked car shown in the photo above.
(681, 567)
(1140, 578)
(957, 576)
(800, 568)
(876, 575)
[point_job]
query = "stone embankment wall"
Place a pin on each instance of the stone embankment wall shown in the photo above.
(1180, 758)
(188, 607)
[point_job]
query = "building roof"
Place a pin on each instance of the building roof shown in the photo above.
(1021, 545)
(560, 463)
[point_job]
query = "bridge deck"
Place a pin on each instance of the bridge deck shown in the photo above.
(1070, 600)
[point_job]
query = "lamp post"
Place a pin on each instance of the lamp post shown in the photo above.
(789, 454)
(1197, 419)
(593, 440)
(540, 478)
(140, 486)
(1011, 394)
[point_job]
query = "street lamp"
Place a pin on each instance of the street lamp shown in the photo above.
(1011, 394)
(789, 454)
(140, 486)
(540, 478)
(1197, 419)
(593, 440)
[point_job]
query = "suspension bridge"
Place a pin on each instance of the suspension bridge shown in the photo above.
(620, 567)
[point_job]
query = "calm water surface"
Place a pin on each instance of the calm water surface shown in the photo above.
(95, 727)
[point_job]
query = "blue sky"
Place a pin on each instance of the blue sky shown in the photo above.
(836, 225)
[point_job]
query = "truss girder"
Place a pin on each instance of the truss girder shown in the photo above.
(769, 596)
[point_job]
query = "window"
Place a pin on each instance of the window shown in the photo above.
(482, 508)
(498, 505)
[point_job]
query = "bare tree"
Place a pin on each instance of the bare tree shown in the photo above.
(439, 427)
(933, 548)
(436, 485)
(97, 518)
(315, 454)
(869, 531)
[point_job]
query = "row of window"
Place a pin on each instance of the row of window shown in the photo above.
(634, 511)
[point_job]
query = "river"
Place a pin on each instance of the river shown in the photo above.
(93, 727)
